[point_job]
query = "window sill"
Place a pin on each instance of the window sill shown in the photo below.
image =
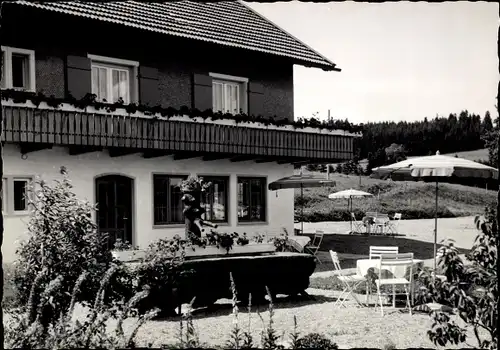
(168, 226)
(18, 213)
(249, 223)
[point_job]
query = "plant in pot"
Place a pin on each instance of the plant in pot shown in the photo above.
(124, 251)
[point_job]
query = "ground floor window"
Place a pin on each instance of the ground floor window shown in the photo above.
(215, 200)
(167, 199)
(251, 199)
(15, 191)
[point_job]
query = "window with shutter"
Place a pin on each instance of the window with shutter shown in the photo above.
(114, 79)
(229, 94)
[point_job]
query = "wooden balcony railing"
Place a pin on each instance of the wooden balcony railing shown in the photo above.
(56, 127)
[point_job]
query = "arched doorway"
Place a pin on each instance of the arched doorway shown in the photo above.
(114, 207)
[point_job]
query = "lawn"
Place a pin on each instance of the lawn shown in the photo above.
(415, 200)
(417, 237)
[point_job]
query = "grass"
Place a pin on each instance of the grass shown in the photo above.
(478, 154)
(415, 200)
(416, 236)
(8, 286)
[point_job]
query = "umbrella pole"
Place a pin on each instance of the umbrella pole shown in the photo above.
(435, 230)
(350, 211)
(302, 209)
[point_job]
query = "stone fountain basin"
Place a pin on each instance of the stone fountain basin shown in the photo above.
(195, 252)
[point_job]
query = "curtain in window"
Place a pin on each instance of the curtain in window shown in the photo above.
(232, 98)
(120, 83)
(218, 97)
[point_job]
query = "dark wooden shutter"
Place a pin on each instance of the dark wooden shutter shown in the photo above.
(78, 76)
(149, 93)
(255, 99)
(202, 92)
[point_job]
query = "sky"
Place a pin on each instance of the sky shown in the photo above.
(399, 61)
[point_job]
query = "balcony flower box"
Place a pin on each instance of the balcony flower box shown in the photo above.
(237, 250)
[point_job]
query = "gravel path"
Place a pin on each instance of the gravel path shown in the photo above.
(350, 327)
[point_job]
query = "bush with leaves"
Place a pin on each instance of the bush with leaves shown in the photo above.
(162, 271)
(26, 330)
(64, 242)
(315, 341)
(470, 290)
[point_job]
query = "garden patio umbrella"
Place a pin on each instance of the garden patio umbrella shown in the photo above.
(349, 194)
(300, 181)
(436, 168)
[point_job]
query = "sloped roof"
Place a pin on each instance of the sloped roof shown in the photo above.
(229, 23)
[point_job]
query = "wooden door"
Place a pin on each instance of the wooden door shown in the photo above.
(114, 207)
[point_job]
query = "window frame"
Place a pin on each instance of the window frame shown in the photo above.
(227, 180)
(109, 63)
(169, 212)
(8, 194)
(225, 80)
(263, 197)
(7, 68)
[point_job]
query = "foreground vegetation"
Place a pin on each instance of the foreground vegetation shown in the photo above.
(50, 283)
(415, 200)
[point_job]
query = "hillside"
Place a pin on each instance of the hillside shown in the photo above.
(415, 200)
(476, 155)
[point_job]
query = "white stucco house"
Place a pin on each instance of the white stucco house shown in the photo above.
(164, 65)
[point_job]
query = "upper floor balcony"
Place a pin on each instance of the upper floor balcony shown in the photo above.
(88, 129)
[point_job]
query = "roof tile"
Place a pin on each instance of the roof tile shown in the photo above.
(229, 23)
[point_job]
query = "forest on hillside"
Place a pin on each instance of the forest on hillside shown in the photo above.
(384, 143)
(446, 134)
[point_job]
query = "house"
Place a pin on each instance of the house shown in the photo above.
(155, 69)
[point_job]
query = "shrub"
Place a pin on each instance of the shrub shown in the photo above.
(63, 243)
(161, 270)
(471, 290)
(315, 341)
(26, 330)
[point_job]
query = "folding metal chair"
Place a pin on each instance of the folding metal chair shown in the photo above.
(313, 248)
(350, 282)
(358, 226)
(377, 251)
(403, 262)
(392, 226)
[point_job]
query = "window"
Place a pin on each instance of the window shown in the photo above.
(18, 69)
(215, 199)
(15, 193)
(4, 195)
(167, 199)
(114, 79)
(251, 199)
(20, 194)
(229, 93)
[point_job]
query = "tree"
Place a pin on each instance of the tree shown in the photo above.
(487, 124)
(472, 291)
(395, 153)
(490, 141)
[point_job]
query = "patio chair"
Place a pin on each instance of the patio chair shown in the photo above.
(350, 282)
(392, 226)
(377, 251)
(404, 261)
(357, 226)
(313, 247)
(381, 222)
